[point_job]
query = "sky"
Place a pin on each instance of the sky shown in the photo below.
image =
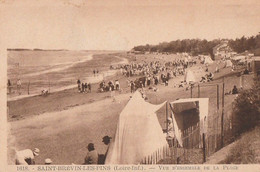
(122, 24)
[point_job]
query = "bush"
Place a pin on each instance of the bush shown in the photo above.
(245, 150)
(246, 109)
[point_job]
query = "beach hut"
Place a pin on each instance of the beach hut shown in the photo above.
(138, 133)
(189, 76)
(188, 114)
(256, 65)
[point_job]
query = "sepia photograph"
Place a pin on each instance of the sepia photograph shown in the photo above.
(140, 82)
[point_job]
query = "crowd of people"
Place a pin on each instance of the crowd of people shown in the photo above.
(154, 68)
(18, 86)
(109, 86)
(83, 87)
(150, 74)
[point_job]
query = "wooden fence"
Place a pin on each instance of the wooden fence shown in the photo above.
(176, 153)
(157, 156)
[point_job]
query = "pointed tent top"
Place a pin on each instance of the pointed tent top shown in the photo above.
(137, 101)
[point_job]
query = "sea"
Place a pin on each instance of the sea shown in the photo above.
(56, 70)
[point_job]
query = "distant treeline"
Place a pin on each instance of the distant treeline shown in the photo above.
(193, 46)
(198, 46)
(18, 49)
(242, 44)
(35, 49)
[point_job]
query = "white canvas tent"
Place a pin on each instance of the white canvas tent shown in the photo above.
(138, 133)
(207, 60)
(228, 63)
(189, 76)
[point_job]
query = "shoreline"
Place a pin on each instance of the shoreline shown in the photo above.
(67, 65)
(92, 79)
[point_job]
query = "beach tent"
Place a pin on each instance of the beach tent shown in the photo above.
(228, 63)
(189, 76)
(138, 133)
(237, 58)
(207, 60)
(187, 113)
(186, 60)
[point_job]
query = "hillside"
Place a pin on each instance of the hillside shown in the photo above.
(243, 151)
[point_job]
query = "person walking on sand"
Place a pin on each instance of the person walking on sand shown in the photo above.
(94, 72)
(9, 86)
(92, 155)
(132, 86)
(26, 157)
(82, 87)
(78, 82)
(89, 87)
(86, 87)
(117, 85)
(19, 85)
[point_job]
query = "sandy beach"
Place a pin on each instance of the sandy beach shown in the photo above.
(48, 122)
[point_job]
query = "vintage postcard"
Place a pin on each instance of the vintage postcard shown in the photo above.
(120, 85)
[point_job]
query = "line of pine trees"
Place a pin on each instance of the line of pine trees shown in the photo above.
(193, 46)
(198, 46)
(246, 44)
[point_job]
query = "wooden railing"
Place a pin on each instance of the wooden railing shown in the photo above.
(158, 155)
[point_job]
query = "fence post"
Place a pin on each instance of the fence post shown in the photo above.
(191, 137)
(156, 157)
(204, 147)
(191, 92)
(166, 116)
(216, 129)
(163, 153)
(241, 81)
(29, 88)
(198, 91)
(218, 96)
(175, 150)
(49, 87)
(222, 115)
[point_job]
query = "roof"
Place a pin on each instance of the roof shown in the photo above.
(203, 105)
(256, 58)
(239, 57)
(189, 100)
